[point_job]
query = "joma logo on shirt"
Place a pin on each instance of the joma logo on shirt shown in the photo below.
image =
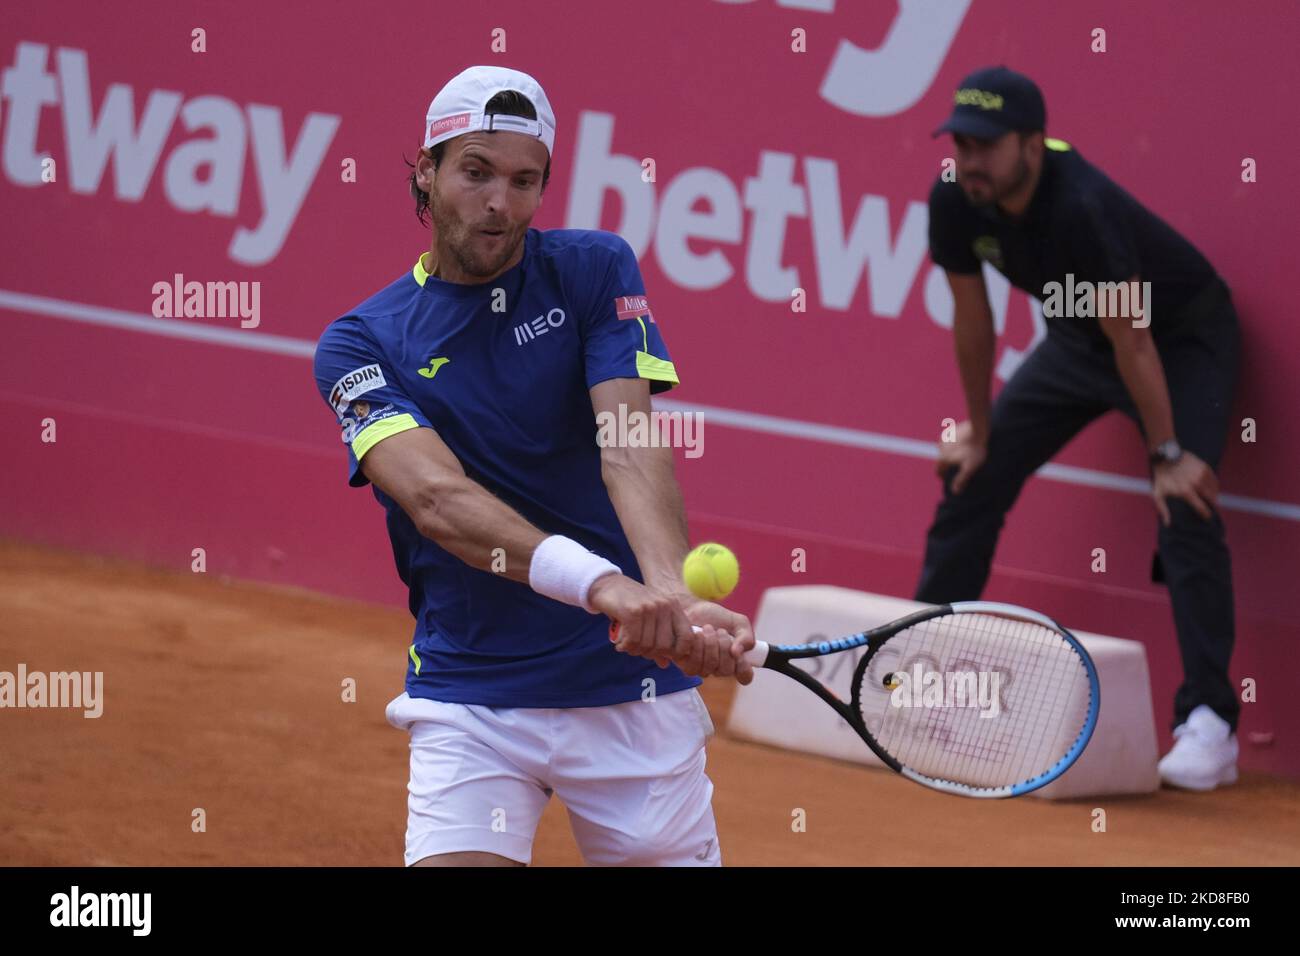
(434, 365)
(539, 326)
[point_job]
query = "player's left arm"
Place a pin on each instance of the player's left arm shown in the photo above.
(1138, 363)
(643, 488)
(648, 501)
(626, 360)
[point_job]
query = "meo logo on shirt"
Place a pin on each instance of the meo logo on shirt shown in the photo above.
(539, 326)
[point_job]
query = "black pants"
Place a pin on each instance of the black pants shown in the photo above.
(1059, 388)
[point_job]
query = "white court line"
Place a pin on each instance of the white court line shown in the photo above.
(140, 322)
(734, 418)
(914, 448)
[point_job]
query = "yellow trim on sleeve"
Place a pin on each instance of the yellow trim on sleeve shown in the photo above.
(645, 337)
(415, 659)
(372, 435)
(650, 366)
(1059, 145)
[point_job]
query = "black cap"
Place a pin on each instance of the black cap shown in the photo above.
(993, 101)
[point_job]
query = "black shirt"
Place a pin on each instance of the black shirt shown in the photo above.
(1077, 222)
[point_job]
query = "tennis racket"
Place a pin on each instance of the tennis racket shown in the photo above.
(972, 698)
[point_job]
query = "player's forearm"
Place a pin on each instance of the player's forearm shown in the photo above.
(648, 501)
(975, 340)
(1142, 374)
(468, 521)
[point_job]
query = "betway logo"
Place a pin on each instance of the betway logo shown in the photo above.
(224, 129)
(893, 76)
(703, 205)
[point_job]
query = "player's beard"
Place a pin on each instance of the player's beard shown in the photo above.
(460, 238)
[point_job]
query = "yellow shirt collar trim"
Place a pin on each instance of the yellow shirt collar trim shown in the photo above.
(419, 272)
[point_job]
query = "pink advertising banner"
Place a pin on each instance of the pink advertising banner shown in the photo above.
(745, 150)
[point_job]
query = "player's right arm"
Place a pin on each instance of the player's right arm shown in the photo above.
(974, 338)
(418, 471)
(392, 444)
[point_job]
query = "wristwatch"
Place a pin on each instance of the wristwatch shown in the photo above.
(1166, 453)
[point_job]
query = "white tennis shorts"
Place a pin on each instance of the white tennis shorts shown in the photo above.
(631, 776)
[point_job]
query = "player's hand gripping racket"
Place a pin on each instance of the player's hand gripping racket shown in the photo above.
(974, 698)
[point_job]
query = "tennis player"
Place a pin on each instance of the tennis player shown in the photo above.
(1041, 214)
(468, 392)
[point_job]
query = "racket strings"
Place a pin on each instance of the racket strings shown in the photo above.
(1042, 709)
(1039, 703)
(1023, 675)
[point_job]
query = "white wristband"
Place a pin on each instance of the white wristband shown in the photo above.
(564, 570)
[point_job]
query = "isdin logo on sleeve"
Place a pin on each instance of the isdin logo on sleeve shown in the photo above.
(355, 384)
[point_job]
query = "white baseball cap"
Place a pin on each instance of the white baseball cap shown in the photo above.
(458, 107)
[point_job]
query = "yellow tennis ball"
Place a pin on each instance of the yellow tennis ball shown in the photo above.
(711, 572)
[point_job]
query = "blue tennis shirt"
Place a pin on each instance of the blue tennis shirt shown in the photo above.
(501, 372)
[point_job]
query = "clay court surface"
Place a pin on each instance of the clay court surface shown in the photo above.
(227, 696)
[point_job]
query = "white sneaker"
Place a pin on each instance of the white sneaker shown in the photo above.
(1204, 753)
